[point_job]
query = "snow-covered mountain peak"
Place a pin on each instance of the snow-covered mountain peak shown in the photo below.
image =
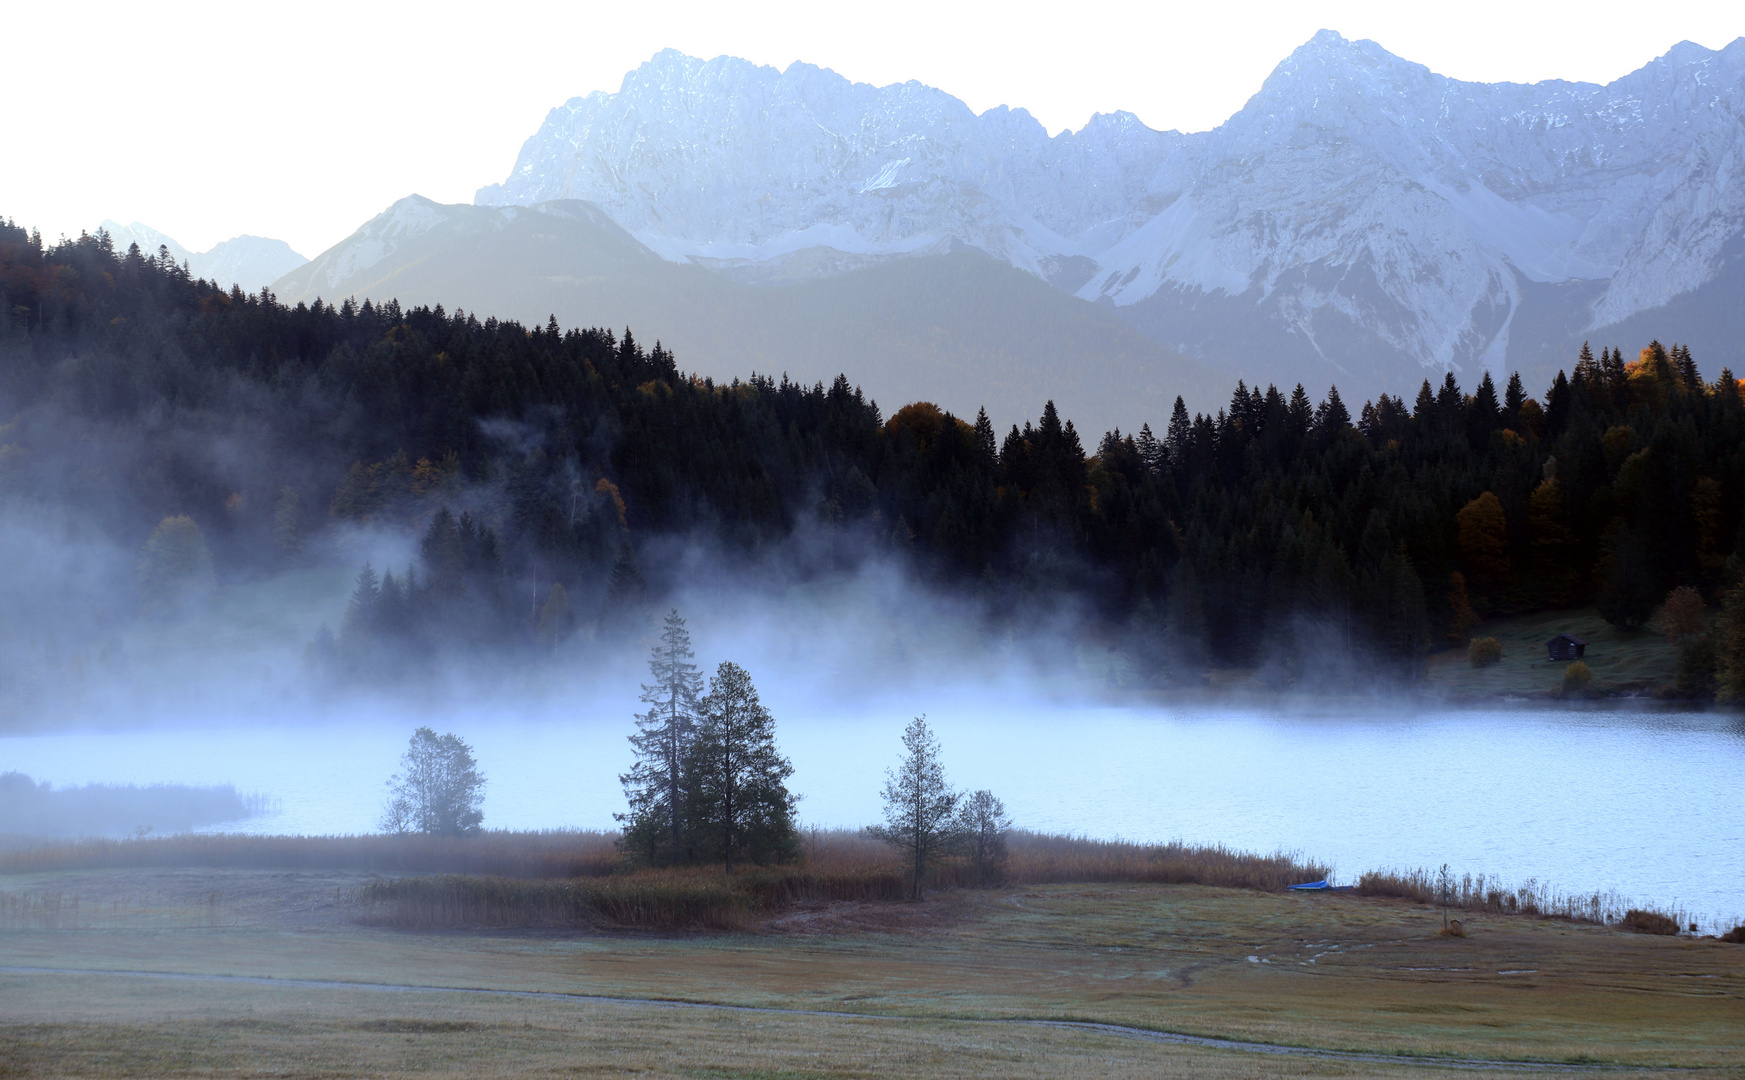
(248, 261)
(1358, 202)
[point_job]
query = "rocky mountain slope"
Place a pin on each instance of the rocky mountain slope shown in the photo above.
(1361, 220)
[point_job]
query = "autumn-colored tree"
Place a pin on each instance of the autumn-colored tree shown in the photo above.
(1729, 639)
(174, 560)
(1484, 541)
(1682, 615)
(1553, 554)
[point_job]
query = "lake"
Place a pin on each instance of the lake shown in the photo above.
(1646, 803)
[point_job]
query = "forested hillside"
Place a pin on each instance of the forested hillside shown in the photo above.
(584, 471)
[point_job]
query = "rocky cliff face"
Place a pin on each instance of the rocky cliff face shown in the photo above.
(1360, 219)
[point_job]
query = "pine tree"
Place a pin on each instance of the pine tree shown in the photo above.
(625, 587)
(987, 453)
(1152, 452)
(741, 805)
(664, 742)
(1630, 594)
(1484, 413)
(1332, 418)
(1514, 396)
(364, 609)
(1180, 434)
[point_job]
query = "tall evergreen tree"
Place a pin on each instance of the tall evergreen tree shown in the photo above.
(1180, 433)
(987, 453)
(740, 801)
(665, 743)
(1514, 396)
(1152, 452)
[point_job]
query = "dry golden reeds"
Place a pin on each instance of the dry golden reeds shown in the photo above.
(1477, 893)
(835, 865)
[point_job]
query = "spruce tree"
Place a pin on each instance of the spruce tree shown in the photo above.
(740, 803)
(1180, 434)
(363, 610)
(1514, 396)
(664, 742)
(1152, 452)
(987, 453)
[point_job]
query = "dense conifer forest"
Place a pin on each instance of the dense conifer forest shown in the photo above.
(556, 476)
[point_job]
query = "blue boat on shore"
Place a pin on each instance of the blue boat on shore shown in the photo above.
(1319, 886)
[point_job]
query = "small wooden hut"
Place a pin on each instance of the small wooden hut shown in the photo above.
(1567, 647)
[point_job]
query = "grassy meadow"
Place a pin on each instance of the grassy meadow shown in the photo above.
(1636, 662)
(1166, 938)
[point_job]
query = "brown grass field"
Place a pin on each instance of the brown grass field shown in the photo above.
(930, 983)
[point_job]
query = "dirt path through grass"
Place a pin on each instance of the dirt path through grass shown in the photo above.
(1119, 1030)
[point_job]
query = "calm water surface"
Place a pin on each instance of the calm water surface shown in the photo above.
(1647, 804)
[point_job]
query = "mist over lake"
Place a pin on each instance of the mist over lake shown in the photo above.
(1641, 802)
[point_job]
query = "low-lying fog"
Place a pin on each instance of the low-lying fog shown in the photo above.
(1642, 802)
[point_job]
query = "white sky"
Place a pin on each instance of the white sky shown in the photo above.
(206, 120)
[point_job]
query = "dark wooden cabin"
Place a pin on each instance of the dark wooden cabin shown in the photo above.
(1567, 647)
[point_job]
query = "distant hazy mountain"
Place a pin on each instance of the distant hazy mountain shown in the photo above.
(1360, 220)
(249, 261)
(956, 327)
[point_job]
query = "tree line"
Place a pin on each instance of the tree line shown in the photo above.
(1278, 530)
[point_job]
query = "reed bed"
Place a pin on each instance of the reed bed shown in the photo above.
(580, 878)
(835, 866)
(1478, 893)
(1040, 858)
(547, 854)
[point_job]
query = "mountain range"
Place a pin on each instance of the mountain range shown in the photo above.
(248, 261)
(1360, 221)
